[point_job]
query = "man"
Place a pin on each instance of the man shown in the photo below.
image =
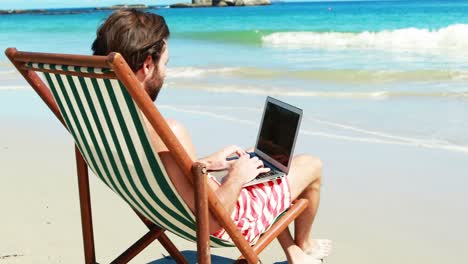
(141, 38)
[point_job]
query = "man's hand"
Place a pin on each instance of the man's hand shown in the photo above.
(246, 169)
(217, 161)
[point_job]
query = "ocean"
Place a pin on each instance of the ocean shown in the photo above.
(388, 72)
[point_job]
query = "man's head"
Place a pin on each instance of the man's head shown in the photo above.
(141, 38)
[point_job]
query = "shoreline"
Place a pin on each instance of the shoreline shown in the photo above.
(313, 126)
(382, 190)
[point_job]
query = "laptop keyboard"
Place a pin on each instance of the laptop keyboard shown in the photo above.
(261, 175)
(265, 174)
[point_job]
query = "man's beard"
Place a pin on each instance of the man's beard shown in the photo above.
(154, 85)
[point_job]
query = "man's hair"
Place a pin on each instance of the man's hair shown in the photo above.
(134, 34)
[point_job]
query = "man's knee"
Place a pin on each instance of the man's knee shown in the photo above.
(313, 166)
(309, 161)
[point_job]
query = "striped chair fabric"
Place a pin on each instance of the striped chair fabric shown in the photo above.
(110, 132)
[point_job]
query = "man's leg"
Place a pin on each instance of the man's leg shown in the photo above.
(304, 179)
(293, 252)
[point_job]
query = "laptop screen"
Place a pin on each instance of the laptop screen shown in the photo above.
(278, 132)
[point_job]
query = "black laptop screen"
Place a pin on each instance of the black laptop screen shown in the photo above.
(278, 132)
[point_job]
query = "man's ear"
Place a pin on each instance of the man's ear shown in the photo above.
(148, 65)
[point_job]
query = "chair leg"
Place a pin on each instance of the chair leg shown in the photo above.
(85, 207)
(138, 246)
(165, 241)
(171, 248)
(87, 225)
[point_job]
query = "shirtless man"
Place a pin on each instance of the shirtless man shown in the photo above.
(141, 38)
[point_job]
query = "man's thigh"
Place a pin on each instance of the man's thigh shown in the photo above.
(305, 169)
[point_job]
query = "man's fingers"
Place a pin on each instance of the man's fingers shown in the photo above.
(263, 170)
(241, 152)
(243, 157)
(236, 148)
(259, 164)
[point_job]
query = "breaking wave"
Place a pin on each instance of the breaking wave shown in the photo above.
(453, 38)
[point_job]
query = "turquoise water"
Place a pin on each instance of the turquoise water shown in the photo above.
(383, 72)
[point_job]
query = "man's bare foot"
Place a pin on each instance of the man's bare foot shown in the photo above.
(295, 255)
(318, 248)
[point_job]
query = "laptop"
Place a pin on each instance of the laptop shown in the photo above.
(276, 139)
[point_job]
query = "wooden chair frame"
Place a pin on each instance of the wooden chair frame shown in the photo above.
(205, 199)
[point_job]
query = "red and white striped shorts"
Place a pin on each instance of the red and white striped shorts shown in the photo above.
(257, 208)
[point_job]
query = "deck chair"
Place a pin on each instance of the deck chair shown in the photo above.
(103, 106)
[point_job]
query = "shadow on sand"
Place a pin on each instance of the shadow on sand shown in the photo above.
(191, 257)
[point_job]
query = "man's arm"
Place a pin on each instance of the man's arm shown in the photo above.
(218, 160)
(242, 170)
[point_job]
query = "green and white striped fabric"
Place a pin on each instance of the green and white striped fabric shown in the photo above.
(110, 132)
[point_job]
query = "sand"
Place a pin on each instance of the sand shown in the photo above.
(380, 203)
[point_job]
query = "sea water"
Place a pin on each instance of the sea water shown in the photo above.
(385, 72)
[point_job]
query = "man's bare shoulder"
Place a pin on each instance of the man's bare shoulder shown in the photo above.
(174, 124)
(183, 136)
(177, 127)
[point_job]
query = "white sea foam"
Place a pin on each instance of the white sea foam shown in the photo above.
(7, 72)
(280, 92)
(421, 143)
(209, 114)
(214, 107)
(369, 136)
(194, 72)
(14, 87)
(354, 76)
(453, 38)
(392, 139)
